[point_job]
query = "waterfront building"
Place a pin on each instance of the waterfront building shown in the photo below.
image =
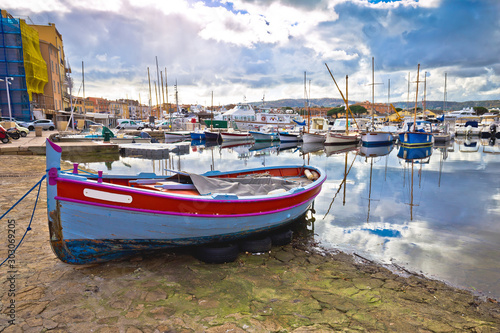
(101, 105)
(53, 53)
(119, 109)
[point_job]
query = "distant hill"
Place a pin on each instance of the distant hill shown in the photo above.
(297, 103)
(333, 102)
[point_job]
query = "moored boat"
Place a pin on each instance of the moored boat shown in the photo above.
(212, 136)
(412, 136)
(95, 217)
(177, 135)
(376, 138)
(262, 136)
(333, 138)
(289, 137)
(229, 136)
(309, 137)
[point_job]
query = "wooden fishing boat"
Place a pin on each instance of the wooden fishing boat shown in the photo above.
(412, 137)
(229, 136)
(95, 218)
(374, 137)
(308, 137)
(212, 136)
(263, 136)
(177, 135)
(197, 135)
(289, 137)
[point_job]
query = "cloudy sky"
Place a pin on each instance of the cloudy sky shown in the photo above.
(247, 49)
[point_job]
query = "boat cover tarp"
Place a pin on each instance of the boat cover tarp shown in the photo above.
(247, 186)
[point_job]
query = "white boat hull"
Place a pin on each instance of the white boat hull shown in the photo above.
(341, 138)
(236, 136)
(313, 138)
(259, 136)
(288, 137)
(377, 138)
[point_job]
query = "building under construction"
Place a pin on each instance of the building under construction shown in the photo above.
(22, 69)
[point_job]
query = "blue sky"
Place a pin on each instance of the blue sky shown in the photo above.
(247, 49)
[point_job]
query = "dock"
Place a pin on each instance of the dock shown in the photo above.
(35, 145)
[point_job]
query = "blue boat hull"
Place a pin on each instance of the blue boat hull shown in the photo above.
(120, 235)
(197, 136)
(412, 154)
(416, 139)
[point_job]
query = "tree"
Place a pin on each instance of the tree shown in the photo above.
(335, 111)
(480, 110)
(358, 109)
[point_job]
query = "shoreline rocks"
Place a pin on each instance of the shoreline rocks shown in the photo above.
(289, 289)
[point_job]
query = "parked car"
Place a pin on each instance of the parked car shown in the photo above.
(44, 123)
(24, 131)
(129, 124)
(7, 119)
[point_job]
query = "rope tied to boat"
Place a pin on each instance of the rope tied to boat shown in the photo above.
(39, 184)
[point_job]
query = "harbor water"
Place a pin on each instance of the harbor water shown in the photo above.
(432, 211)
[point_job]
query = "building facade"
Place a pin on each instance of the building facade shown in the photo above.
(53, 52)
(21, 68)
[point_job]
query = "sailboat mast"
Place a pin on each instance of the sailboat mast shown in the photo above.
(84, 106)
(408, 97)
(158, 80)
(212, 113)
(346, 105)
(166, 95)
(149, 81)
(162, 93)
(416, 102)
(425, 94)
(373, 86)
(306, 109)
(444, 102)
(388, 95)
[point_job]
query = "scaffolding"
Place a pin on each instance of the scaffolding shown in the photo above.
(12, 65)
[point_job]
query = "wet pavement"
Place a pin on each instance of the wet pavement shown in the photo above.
(291, 289)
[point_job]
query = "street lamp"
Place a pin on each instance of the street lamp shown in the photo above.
(8, 95)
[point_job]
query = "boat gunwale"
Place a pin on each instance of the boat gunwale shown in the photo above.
(198, 198)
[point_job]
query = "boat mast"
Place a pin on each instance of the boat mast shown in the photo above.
(425, 94)
(158, 80)
(306, 109)
(212, 113)
(373, 92)
(162, 93)
(373, 87)
(149, 81)
(84, 106)
(444, 102)
(388, 95)
(166, 94)
(416, 103)
(346, 109)
(408, 96)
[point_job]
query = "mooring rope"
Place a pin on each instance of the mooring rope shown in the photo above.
(39, 184)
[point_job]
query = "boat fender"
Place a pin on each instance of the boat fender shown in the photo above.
(311, 175)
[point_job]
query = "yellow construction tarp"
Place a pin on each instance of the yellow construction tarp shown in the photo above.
(34, 65)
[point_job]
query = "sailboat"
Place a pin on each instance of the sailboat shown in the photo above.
(308, 136)
(346, 137)
(413, 138)
(371, 137)
(211, 135)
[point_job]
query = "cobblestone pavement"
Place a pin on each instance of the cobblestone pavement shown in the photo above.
(290, 289)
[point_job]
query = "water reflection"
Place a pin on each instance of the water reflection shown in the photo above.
(440, 219)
